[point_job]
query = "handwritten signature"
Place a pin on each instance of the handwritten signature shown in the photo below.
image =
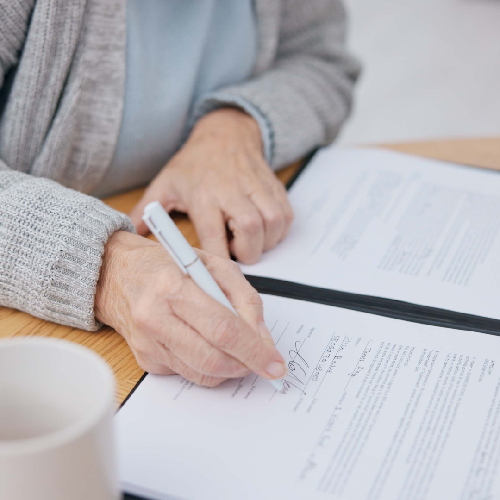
(297, 367)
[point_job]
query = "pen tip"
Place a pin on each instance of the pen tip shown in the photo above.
(278, 385)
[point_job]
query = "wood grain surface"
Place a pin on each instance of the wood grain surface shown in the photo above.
(111, 346)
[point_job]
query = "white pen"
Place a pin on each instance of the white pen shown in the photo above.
(168, 234)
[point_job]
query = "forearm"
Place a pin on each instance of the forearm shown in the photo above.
(51, 244)
(303, 99)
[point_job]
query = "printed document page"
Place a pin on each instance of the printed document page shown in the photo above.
(376, 409)
(390, 225)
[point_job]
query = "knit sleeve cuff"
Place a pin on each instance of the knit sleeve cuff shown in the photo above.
(216, 100)
(52, 241)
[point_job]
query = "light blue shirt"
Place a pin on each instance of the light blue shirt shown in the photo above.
(177, 51)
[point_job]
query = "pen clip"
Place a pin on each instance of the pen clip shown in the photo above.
(164, 242)
(171, 251)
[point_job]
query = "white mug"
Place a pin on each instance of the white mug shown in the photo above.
(56, 428)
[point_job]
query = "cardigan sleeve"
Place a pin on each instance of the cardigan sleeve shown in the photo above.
(51, 238)
(51, 244)
(303, 99)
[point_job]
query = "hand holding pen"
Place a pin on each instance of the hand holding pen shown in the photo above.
(168, 234)
(172, 325)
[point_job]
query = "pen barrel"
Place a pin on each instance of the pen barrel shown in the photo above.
(206, 282)
(169, 235)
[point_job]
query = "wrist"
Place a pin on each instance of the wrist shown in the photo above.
(229, 122)
(117, 264)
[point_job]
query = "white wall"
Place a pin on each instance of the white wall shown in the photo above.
(431, 69)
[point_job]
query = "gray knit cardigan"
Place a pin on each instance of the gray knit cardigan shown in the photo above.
(62, 75)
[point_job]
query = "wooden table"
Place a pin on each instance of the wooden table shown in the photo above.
(111, 346)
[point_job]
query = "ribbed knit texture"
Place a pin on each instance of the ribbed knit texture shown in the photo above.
(62, 75)
(60, 120)
(51, 244)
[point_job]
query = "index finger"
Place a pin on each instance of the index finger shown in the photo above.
(228, 332)
(210, 226)
(237, 289)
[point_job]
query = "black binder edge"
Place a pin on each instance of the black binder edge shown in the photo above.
(138, 383)
(389, 308)
(301, 168)
(396, 309)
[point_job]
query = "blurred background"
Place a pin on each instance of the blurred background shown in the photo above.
(431, 70)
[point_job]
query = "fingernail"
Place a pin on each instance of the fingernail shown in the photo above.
(276, 369)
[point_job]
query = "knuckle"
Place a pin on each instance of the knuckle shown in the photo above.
(145, 350)
(137, 346)
(248, 257)
(242, 372)
(178, 287)
(212, 262)
(250, 223)
(164, 278)
(141, 316)
(206, 257)
(289, 215)
(274, 216)
(145, 364)
(232, 268)
(224, 332)
(198, 197)
(209, 232)
(208, 381)
(256, 353)
(254, 298)
(202, 196)
(212, 364)
(236, 370)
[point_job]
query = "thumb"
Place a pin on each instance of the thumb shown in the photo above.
(152, 193)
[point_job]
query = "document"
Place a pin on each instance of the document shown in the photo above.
(389, 225)
(376, 409)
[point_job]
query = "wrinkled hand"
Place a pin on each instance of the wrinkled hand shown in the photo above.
(220, 178)
(172, 326)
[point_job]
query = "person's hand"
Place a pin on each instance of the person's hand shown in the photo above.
(172, 326)
(220, 178)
